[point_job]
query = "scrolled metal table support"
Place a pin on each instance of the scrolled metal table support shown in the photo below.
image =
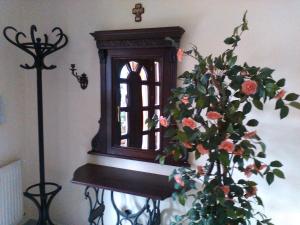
(97, 208)
(39, 50)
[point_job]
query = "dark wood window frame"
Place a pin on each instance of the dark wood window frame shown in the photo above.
(140, 44)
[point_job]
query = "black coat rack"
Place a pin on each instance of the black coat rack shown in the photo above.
(39, 50)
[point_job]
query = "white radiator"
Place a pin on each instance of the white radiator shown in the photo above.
(11, 196)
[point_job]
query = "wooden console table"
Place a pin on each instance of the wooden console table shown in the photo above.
(153, 187)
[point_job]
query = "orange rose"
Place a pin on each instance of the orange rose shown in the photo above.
(187, 144)
(249, 87)
(212, 115)
(227, 145)
(280, 94)
(239, 152)
(225, 189)
(249, 135)
(185, 100)
(189, 122)
(201, 149)
(201, 170)
(163, 121)
(251, 191)
(179, 180)
(180, 54)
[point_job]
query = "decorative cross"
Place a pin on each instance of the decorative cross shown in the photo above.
(138, 10)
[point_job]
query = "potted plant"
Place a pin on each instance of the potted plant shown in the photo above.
(209, 116)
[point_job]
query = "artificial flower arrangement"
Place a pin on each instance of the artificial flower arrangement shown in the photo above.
(208, 117)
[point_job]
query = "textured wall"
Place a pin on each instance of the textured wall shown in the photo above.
(71, 114)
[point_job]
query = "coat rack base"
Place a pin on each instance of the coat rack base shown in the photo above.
(43, 201)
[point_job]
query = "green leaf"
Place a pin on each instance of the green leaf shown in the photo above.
(247, 108)
(278, 173)
(181, 199)
(295, 105)
(276, 164)
(162, 160)
(229, 40)
(279, 104)
(258, 104)
(266, 72)
(284, 112)
(281, 82)
(252, 123)
(270, 178)
(292, 97)
(232, 61)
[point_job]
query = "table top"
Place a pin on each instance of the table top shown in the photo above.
(154, 186)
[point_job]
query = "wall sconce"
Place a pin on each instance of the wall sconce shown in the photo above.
(82, 79)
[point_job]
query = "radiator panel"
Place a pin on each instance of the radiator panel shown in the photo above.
(11, 196)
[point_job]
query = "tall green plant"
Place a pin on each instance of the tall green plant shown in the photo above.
(208, 116)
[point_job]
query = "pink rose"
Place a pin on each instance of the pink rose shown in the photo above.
(225, 189)
(185, 100)
(249, 135)
(280, 94)
(201, 170)
(212, 115)
(163, 121)
(187, 144)
(179, 180)
(189, 122)
(248, 171)
(201, 149)
(249, 87)
(180, 54)
(227, 145)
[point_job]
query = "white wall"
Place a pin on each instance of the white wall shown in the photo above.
(71, 114)
(11, 90)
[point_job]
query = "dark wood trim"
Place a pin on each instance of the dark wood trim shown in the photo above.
(148, 185)
(134, 44)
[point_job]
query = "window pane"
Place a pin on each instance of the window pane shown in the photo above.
(123, 92)
(157, 95)
(145, 117)
(124, 122)
(124, 72)
(156, 65)
(133, 65)
(157, 140)
(123, 143)
(145, 95)
(145, 142)
(143, 74)
(157, 112)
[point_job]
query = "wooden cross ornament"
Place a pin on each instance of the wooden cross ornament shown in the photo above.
(138, 10)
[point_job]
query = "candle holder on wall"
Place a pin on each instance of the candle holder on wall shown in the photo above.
(82, 79)
(39, 49)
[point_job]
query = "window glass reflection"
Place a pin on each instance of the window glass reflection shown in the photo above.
(157, 95)
(124, 72)
(133, 66)
(145, 95)
(145, 117)
(156, 65)
(143, 74)
(157, 140)
(145, 142)
(123, 92)
(124, 122)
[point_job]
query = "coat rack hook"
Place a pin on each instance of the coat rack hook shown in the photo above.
(82, 79)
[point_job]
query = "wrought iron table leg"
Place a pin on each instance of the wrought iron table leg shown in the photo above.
(97, 207)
